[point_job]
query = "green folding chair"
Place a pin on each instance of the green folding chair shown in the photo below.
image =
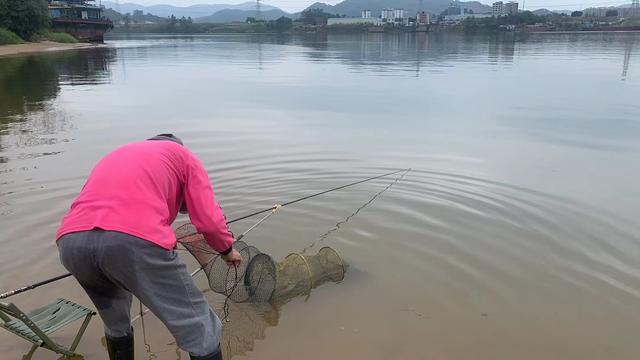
(37, 325)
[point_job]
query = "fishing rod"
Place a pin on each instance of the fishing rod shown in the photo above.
(314, 195)
(272, 209)
(33, 286)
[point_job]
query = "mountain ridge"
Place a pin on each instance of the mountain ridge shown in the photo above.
(235, 15)
(193, 11)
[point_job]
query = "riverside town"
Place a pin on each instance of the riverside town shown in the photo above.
(88, 21)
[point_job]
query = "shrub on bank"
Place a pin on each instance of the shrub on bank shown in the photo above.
(56, 37)
(24, 17)
(8, 37)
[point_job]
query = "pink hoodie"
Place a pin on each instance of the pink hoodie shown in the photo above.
(139, 188)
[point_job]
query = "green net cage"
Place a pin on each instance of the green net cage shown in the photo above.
(260, 279)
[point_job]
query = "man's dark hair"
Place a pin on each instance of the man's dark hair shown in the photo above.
(167, 137)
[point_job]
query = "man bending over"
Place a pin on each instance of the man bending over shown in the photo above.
(117, 240)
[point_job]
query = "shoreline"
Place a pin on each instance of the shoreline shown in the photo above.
(367, 31)
(43, 47)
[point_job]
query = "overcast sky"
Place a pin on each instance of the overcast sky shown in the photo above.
(297, 5)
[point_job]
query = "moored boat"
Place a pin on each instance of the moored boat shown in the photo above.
(80, 18)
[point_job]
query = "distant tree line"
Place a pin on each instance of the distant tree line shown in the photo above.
(608, 13)
(182, 23)
(26, 18)
(313, 17)
(316, 17)
(281, 24)
(187, 26)
(496, 23)
(611, 13)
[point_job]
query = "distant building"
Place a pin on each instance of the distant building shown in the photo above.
(423, 18)
(497, 8)
(387, 15)
(366, 14)
(598, 12)
(354, 21)
(399, 14)
(500, 9)
(394, 17)
(510, 8)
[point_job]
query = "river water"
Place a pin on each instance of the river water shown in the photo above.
(513, 237)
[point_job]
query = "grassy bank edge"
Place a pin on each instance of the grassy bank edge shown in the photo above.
(58, 37)
(8, 37)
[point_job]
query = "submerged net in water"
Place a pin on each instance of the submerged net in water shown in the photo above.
(259, 278)
(299, 274)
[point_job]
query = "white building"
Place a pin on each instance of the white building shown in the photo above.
(394, 16)
(366, 14)
(500, 9)
(497, 8)
(387, 15)
(510, 8)
(399, 14)
(595, 12)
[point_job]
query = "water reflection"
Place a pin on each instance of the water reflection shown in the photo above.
(501, 51)
(25, 84)
(387, 53)
(411, 52)
(628, 49)
(380, 54)
(248, 324)
(29, 84)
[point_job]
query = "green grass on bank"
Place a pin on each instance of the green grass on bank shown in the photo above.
(8, 37)
(56, 37)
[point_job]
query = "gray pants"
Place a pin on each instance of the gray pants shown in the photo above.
(111, 266)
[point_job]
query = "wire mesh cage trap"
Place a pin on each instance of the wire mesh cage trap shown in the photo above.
(259, 278)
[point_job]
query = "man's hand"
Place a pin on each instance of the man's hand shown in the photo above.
(233, 258)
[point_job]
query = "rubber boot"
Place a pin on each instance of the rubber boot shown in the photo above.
(215, 356)
(120, 348)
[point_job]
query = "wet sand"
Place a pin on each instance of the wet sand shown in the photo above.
(44, 46)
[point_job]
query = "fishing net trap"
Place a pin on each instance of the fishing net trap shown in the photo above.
(260, 279)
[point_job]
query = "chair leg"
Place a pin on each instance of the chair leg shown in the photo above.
(71, 357)
(28, 355)
(66, 354)
(76, 341)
